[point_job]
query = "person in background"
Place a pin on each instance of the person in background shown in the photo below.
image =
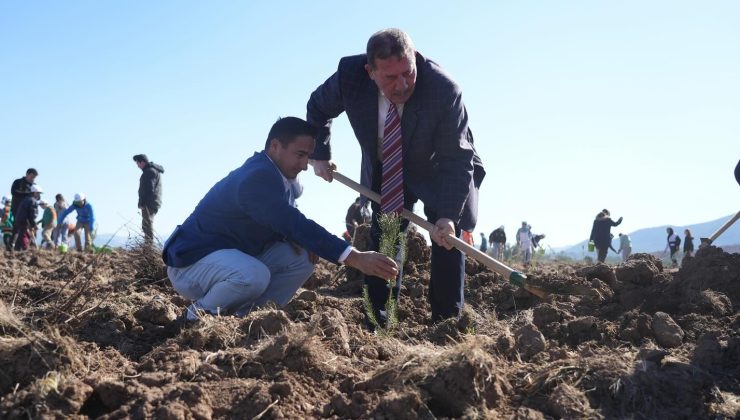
(688, 243)
(601, 233)
(524, 243)
(498, 243)
(48, 223)
(150, 194)
(21, 189)
(354, 217)
(673, 244)
(25, 219)
(625, 246)
(483, 242)
(536, 238)
(85, 221)
(6, 223)
(59, 236)
(467, 237)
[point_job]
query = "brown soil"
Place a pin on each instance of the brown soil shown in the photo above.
(93, 336)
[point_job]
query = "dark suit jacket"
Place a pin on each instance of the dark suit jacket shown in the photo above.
(249, 211)
(601, 231)
(440, 164)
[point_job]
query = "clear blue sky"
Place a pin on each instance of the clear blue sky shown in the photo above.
(575, 105)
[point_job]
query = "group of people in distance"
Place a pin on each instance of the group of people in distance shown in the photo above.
(526, 243)
(601, 238)
(21, 210)
(19, 213)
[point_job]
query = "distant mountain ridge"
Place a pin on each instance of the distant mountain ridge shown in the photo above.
(654, 238)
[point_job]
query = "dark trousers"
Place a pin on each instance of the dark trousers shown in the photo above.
(147, 224)
(674, 252)
(447, 281)
(21, 237)
(601, 252)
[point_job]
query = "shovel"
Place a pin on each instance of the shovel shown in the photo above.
(708, 241)
(514, 277)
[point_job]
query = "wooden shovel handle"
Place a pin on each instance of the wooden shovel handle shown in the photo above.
(485, 259)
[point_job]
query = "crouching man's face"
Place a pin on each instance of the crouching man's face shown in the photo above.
(293, 158)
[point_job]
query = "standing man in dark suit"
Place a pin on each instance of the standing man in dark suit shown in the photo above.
(403, 107)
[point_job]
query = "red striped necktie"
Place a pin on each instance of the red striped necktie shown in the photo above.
(391, 190)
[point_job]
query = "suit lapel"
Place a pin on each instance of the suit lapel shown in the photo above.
(368, 108)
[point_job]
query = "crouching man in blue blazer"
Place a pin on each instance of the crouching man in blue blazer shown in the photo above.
(246, 243)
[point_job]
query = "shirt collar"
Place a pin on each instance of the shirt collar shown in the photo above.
(288, 184)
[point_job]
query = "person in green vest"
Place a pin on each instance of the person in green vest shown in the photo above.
(48, 223)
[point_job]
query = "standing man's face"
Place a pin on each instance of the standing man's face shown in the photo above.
(30, 178)
(141, 165)
(395, 77)
(293, 158)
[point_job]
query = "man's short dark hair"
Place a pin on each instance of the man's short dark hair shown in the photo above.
(141, 158)
(286, 129)
(388, 43)
(31, 171)
(59, 197)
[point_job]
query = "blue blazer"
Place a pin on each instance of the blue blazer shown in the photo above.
(249, 211)
(440, 164)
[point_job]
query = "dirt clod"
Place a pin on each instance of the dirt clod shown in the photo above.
(529, 340)
(667, 332)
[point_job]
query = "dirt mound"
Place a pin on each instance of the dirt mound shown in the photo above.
(463, 380)
(93, 336)
(711, 269)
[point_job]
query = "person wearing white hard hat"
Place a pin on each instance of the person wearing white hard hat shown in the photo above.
(85, 220)
(25, 219)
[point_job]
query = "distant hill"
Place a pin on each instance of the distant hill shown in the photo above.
(654, 238)
(112, 240)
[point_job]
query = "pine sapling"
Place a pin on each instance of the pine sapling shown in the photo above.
(392, 245)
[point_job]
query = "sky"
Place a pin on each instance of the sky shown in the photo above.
(575, 106)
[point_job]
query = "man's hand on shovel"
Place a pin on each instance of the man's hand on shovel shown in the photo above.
(324, 169)
(443, 229)
(372, 264)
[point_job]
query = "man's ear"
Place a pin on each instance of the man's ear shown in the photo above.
(274, 144)
(369, 71)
